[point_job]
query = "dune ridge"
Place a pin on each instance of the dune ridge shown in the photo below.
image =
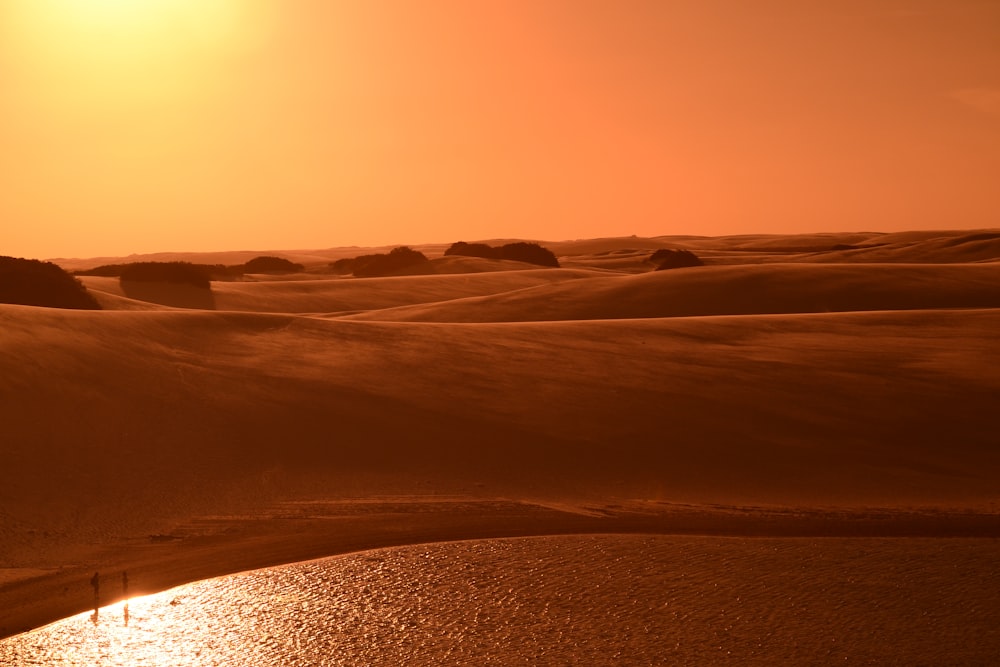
(726, 290)
(334, 294)
(598, 393)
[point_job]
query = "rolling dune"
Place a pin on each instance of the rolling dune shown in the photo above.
(726, 290)
(976, 247)
(334, 294)
(594, 394)
(930, 247)
(822, 409)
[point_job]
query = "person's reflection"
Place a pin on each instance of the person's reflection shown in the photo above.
(125, 593)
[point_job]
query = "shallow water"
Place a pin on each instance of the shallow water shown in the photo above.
(587, 600)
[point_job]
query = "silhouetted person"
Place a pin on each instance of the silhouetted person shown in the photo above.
(125, 593)
(95, 581)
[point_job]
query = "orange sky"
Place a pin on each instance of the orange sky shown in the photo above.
(155, 125)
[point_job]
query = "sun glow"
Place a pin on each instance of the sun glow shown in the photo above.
(112, 12)
(106, 33)
(94, 55)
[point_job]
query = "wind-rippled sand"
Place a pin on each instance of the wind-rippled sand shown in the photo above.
(587, 600)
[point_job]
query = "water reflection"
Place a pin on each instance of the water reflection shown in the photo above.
(567, 600)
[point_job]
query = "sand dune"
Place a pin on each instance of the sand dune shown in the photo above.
(726, 290)
(607, 245)
(783, 243)
(976, 247)
(151, 407)
(333, 294)
(458, 264)
(573, 387)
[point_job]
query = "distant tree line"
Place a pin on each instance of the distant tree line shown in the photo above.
(189, 273)
(521, 251)
(181, 273)
(269, 264)
(30, 282)
(395, 261)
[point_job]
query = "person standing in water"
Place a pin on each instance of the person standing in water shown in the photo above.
(95, 581)
(125, 593)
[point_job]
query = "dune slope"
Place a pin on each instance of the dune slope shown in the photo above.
(116, 422)
(726, 290)
(332, 294)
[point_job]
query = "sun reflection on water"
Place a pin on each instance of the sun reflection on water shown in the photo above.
(630, 600)
(129, 632)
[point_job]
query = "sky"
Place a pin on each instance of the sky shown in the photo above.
(130, 126)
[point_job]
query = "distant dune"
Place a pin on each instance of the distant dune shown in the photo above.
(977, 247)
(757, 385)
(931, 247)
(335, 294)
(726, 290)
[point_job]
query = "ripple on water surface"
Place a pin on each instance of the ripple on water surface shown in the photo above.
(587, 600)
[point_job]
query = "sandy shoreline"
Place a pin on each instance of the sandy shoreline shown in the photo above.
(295, 531)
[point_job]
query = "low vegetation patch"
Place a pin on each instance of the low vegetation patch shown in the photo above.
(344, 265)
(664, 259)
(464, 249)
(213, 271)
(397, 261)
(270, 264)
(191, 273)
(30, 282)
(181, 273)
(530, 253)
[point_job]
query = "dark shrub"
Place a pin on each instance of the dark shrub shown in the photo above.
(665, 258)
(223, 272)
(29, 282)
(361, 261)
(464, 249)
(368, 266)
(343, 265)
(532, 253)
(105, 270)
(182, 273)
(214, 271)
(269, 264)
